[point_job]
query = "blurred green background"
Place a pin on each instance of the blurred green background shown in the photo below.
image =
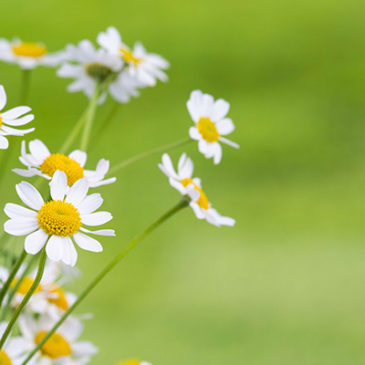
(286, 285)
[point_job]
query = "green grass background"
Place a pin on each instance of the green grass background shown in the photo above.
(286, 285)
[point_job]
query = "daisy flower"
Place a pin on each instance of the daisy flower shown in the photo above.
(49, 297)
(211, 124)
(12, 118)
(146, 67)
(28, 55)
(58, 222)
(43, 163)
(134, 362)
(15, 348)
(89, 66)
(183, 181)
(62, 347)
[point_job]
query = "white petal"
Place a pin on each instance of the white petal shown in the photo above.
(16, 211)
(87, 243)
(84, 348)
(90, 204)
(29, 195)
(2, 97)
(15, 112)
(21, 121)
(35, 241)
(77, 192)
(194, 133)
(100, 232)
(17, 227)
(39, 150)
(229, 143)
(55, 248)
(70, 254)
(4, 143)
(78, 156)
(219, 110)
(58, 185)
(96, 219)
(225, 126)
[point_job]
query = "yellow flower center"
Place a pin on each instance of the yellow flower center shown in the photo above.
(58, 298)
(130, 362)
(59, 218)
(207, 129)
(57, 161)
(1, 122)
(29, 49)
(129, 57)
(56, 346)
(25, 286)
(4, 358)
(203, 200)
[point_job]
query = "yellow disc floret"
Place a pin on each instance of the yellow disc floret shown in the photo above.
(4, 358)
(56, 346)
(129, 57)
(58, 298)
(29, 49)
(130, 362)
(59, 218)
(208, 130)
(57, 161)
(24, 286)
(203, 201)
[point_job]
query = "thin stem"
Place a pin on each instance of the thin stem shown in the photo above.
(182, 204)
(12, 276)
(148, 154)
(90, 114)
(42, 263)
(25, 86)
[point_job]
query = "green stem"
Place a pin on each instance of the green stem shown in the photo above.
(42, 263)
(25, 86)
(148, 154)
(12, 276)
(90, 114)
(182, 204)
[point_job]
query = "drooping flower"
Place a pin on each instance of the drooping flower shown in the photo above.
(134, 361)
(211, 124)
(12, 118)
(44, 163)
(183, 181)
(145, 67)
(58, 222)
(28, 55)
(15, 348)
(89, 66)
(62, 347)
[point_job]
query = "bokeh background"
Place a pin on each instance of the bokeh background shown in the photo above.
(286, 285)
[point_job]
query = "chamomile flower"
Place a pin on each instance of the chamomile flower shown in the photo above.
(49, 297)
(134, 362)
(43, 163)
(211, 124)
(28, 55)
(183, 181)
(62, 347)
(89, 66)
(15, 348)
(146, 67)
(55, 224)
(12, 118)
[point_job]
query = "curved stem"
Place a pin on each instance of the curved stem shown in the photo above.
(148, 154)
(89, 118)
(182, 204)
(12, 276)
(42, 263)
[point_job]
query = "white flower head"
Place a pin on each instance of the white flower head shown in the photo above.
(43, 163)
(183, 181)
(12, 118)
(49, 297)
(28, 55)
(211, 124)
(57, 223)
(15, 349)
(63, 347)
(146, 67)
(89, 66)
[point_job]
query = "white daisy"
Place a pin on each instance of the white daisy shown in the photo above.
(89, 66)
(12, 118)
(28, 54)
(15, 348)
(43, 163)
(184, 182)
(55, 223)
(211, 124)
(146, 67)
(49, 297)
(134, 361)
(62, 347)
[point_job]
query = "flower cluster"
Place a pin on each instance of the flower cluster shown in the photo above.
(58, 211)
